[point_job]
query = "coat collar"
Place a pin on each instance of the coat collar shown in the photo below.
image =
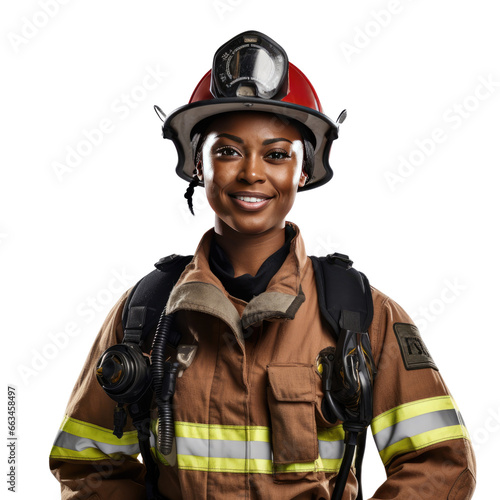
(198, 289)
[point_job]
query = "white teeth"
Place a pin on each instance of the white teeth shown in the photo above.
(249, 199)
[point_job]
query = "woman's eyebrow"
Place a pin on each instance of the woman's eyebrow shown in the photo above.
(277, 139)
(230, 136)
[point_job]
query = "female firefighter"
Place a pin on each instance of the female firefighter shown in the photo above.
(245, 402)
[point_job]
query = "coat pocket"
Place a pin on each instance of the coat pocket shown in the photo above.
(291, 397)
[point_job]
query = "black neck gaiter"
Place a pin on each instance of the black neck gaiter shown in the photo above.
(246, 287)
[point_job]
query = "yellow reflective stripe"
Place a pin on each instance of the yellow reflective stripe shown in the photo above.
(156, 454)
(253, 466)
(219, 464)
(245, 449)
(423, 440)
(159, 456)
(409, 410)
(415, 425)
(319, 465)
(224, 432)
(92, 431)
(87, 454)
(331, 433)
(78, 440)
(464, 429)
(242, 433)
(330, 465)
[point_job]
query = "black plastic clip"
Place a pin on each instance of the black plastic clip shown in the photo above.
(164, 263)
(333, 257)
(119, 420)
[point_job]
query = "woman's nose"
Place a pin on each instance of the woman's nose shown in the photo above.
(252, 170)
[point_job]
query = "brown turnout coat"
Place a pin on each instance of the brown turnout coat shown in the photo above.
(247, 406)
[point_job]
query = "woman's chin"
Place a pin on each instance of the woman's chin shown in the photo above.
(251, 226)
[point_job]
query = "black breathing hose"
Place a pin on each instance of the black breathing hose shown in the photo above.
(164, 376)
(360, 451)
(341, 479)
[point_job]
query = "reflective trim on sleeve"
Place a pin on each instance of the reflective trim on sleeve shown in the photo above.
(415, 425)
(246, 449)
(78, 440)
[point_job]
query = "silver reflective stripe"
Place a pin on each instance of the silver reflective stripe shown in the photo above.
(219, 448)
(253, 450)
(461, 419)
(415, 425)
(331, 449)
(76, 443)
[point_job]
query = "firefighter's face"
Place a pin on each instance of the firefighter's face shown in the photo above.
(251, 165)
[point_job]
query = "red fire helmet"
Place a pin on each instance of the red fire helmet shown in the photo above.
(251, 72)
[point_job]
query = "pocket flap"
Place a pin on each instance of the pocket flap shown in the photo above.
(292, 382)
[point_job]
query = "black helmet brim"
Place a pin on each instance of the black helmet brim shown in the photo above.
(180, 124)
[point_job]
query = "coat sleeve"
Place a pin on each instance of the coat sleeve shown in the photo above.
(417, 427)
(86, 458)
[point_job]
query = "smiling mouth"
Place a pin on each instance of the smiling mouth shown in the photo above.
(250, 199)
(250, 202)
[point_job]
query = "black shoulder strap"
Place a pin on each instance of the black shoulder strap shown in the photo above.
(147, 299)
(344, 294)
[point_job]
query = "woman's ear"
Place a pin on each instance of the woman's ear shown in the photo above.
(303, 178)
(199, 170)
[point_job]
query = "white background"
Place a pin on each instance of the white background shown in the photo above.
(400, 75)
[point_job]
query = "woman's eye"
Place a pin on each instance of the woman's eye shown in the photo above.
(278, 155)
(226, 151)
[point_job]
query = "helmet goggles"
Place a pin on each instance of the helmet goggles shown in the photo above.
(250, 65)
